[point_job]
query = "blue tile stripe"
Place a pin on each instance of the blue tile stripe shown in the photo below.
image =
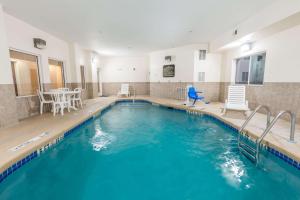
(284, 157)
(10, 170)
(77, 127)
(36, 153)
(217, 120)
(17, 165)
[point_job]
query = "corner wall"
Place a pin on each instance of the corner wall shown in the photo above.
(187, 66)
(133, 70)
(91, 62)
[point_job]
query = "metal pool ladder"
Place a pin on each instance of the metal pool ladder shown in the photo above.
(252, 151)
(134, 94)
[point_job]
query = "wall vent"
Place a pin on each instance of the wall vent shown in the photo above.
(168, 58)
(201, 76)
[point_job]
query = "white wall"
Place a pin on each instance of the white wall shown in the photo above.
(6, 74)
(73, 70)
(211, 66)
(282, 57)
(90, 60)
(125, 69)
(20, 37)
(95, 64)
(277, 11)
(182, 57)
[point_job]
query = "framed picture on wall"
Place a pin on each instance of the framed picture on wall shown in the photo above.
(169, 71)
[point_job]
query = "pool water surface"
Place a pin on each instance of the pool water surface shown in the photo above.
(140, 151)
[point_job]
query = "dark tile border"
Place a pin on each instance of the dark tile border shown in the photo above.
(17, 165)
(37, 152)
(284, 157)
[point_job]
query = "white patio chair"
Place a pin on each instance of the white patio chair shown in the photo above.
(76, 98)
(124, 90)
(64, 89)
(236, 99)
(43, 101)
(60, 103)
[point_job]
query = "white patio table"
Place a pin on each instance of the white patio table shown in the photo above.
(66, 95)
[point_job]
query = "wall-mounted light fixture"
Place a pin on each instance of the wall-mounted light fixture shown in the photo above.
(39, 43)
(246, 47)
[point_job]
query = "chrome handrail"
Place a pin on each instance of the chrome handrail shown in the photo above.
(292, 129)
(269, 126)
(134, 93)
(254, 112)
(251, 116)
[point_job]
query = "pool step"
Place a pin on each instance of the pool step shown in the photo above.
(248, 151)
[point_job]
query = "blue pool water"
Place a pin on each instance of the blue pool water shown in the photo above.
(144, 152)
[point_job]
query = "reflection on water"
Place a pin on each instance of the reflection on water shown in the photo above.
(101, 140)
(233, 169)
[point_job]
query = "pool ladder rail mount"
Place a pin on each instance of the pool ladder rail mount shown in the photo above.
(253, 152)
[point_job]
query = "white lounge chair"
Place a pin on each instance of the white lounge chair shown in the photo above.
(124, 90)
(236, 99)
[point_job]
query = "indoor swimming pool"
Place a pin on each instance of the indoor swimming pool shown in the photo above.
(142, 151)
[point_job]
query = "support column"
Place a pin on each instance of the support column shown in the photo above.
(8, 106)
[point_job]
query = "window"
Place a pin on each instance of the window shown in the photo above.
(82, 73)
(25, 73)
(202, 54)
(257, 68)
(242, 70)
(250, 69)
(56, 70)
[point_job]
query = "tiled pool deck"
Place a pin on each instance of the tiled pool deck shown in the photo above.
(56, 127)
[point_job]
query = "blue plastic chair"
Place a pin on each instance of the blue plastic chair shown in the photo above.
(193, 94)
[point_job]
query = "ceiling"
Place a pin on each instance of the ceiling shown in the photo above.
(125, 27)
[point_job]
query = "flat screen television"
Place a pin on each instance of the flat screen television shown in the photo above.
(169, 71)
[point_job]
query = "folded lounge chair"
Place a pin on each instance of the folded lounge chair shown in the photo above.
(236, 99)
(193, 94)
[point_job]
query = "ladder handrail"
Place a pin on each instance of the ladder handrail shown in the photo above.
(256, 153)
(134, 93)
(253, 113)
(292, 129)
(268, 128)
